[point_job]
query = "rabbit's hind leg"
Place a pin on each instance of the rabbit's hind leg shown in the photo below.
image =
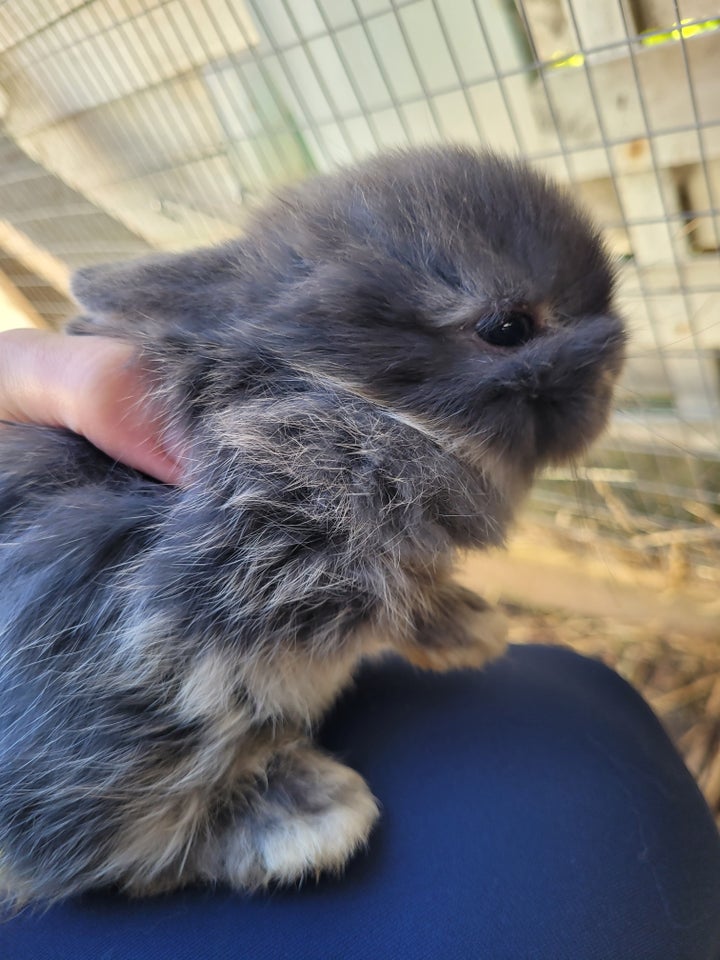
(308, 816)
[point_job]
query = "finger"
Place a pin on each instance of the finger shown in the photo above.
(90, 385)
(30, 390)
(109, 404)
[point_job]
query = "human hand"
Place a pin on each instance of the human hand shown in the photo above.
(89, 385)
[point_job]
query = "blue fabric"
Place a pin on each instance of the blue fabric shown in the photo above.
(535, 811)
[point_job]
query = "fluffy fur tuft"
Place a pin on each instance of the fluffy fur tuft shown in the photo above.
(366, 381)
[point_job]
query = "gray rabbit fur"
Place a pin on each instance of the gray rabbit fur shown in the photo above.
(365, 382)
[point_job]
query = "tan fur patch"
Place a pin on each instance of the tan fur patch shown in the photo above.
(299, 686)
(207, 688)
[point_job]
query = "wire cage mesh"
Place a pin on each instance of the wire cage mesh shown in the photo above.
(131, 125)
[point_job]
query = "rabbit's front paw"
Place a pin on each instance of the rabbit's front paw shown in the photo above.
(313, 815)
(465, 631)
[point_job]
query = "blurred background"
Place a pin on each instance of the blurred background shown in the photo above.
(133, 125)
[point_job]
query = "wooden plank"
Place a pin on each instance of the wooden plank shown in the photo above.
(665, 98)
(41, 262)
(15, 309)
(536, 573)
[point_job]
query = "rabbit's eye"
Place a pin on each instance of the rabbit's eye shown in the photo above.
(507, 329)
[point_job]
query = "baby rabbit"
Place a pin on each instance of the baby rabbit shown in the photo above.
(366, 382)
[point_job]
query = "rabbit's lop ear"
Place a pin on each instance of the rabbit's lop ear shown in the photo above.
(186, 290)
